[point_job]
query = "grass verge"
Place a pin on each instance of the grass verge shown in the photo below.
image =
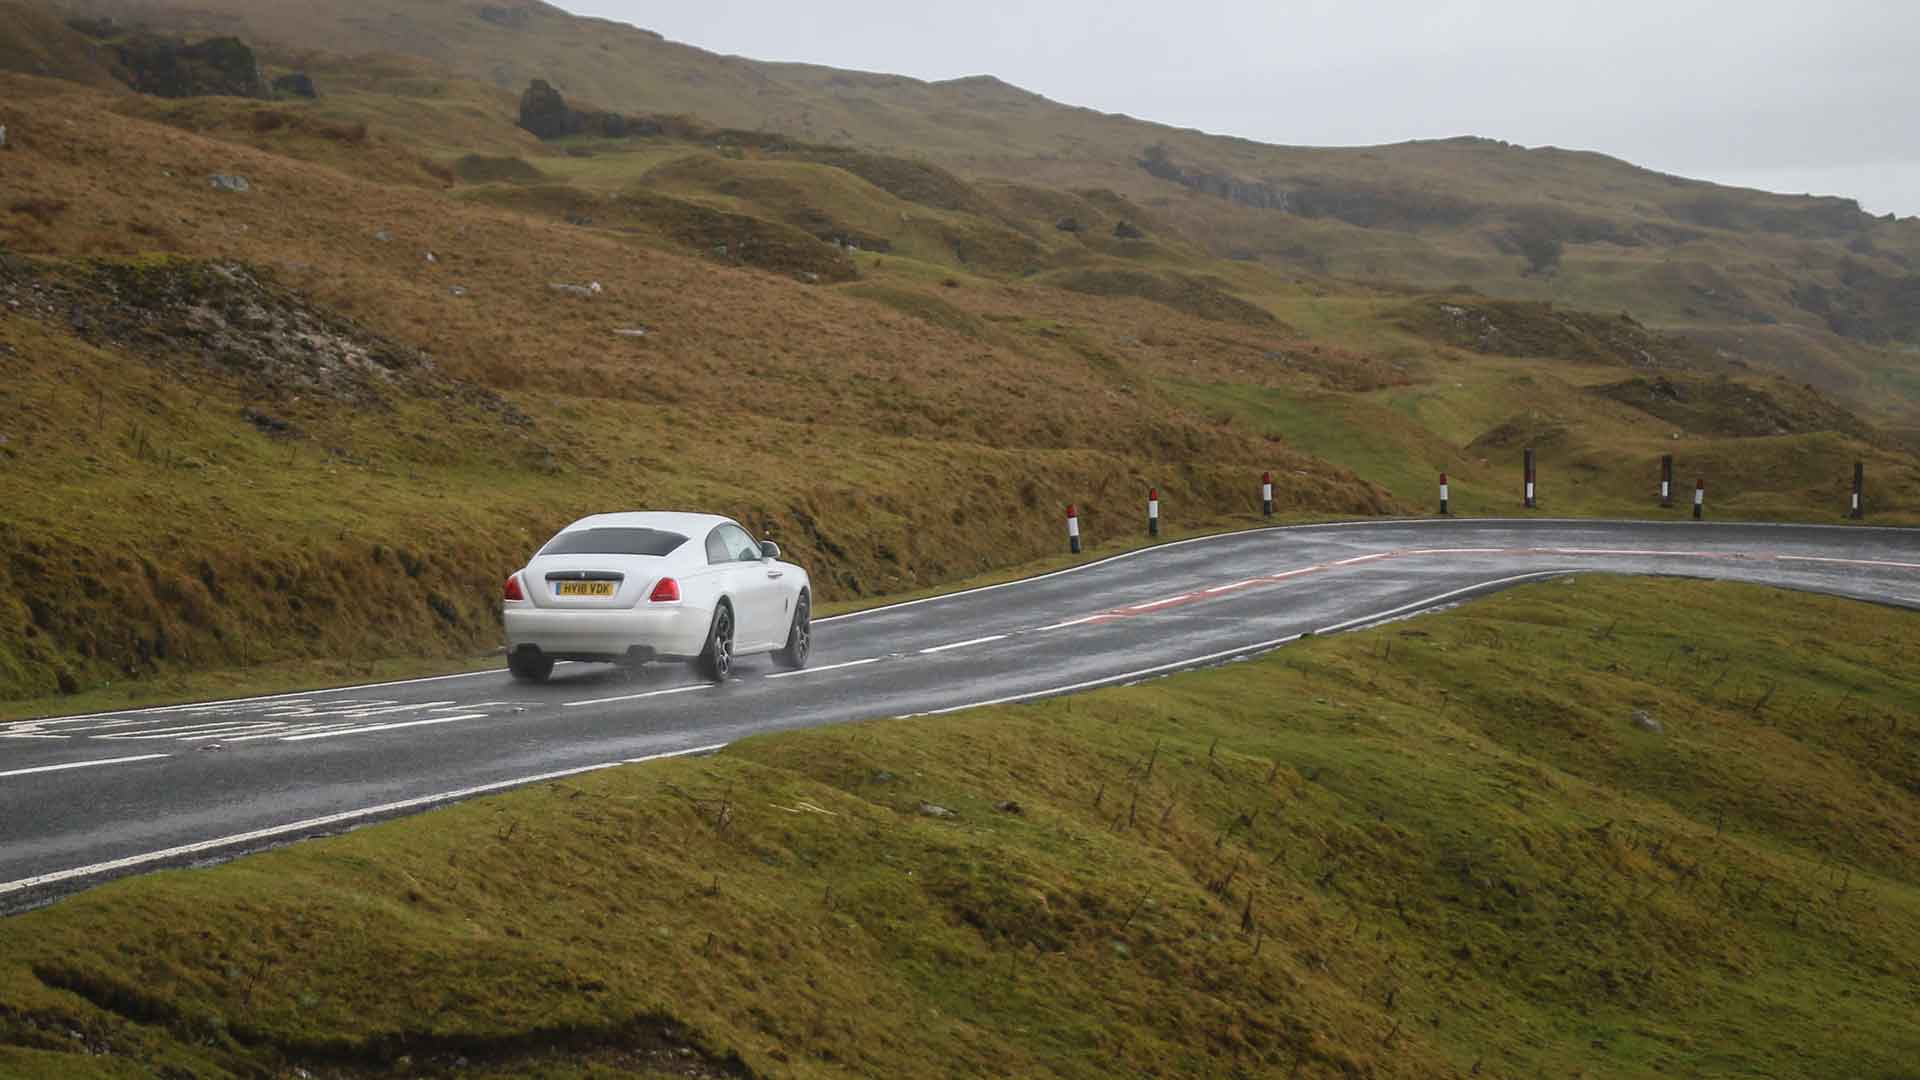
(1378, 854)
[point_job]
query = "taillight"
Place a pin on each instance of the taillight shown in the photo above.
(666, 589)
(513, 588)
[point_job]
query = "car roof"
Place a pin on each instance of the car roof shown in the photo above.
(689, 525)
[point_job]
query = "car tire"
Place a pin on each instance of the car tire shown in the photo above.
(799, 636)
(527, 665)
(716, 660)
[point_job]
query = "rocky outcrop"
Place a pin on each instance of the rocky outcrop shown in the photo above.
(1368, 205)
(545, 113)
(171, 68)
(298, 84)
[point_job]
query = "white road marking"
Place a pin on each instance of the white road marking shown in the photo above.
(1081, 621)
(1364, 558)
(825, 667)
(1235, 585)
(1244, 649)
(963, 644)
(323, 822)
(83, 764)
(1150, 605)
(1849, 562)
(365, 729)
(1432, 600)
(637, 697)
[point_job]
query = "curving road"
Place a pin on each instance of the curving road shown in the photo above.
(85, 798)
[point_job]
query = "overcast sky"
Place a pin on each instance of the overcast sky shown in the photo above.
(1817, 96)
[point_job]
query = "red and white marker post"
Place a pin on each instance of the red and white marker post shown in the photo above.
(1073, 530)
(1443, 494)
(1859, 487)
(1699, 498)
(1666, 480)
(1266, 494)
(1529, 466)
(1153, 512)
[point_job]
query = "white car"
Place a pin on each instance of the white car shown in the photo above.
(634, 587)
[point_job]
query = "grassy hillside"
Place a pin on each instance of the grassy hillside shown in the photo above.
(1367, 856)
(382, 364)
(1810, 287)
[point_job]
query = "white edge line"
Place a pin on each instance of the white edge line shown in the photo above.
(964, 644)
(365, 729)
(331, 819)
(637, 697)
(1122, 677)
(1432, 600)
(83, 764)
(825, 667)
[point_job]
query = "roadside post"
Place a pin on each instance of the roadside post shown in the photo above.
(1666, 481)
(1266, 494)
(1859, 489)
(1699, 498)
(1443, 494)
(1529, 468)
(1153, 512)
(1073, 530)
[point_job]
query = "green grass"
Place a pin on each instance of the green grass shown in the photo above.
(1374, 854)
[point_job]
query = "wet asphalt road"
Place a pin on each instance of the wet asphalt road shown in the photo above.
(83, 799)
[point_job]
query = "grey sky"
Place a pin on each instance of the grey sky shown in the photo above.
(1791, 96)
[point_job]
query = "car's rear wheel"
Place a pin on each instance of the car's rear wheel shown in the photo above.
(799, 636)
(528, 665)
(716, 660)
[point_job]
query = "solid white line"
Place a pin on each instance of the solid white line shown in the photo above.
(1242, 650)
(1365, 558)
(1285, 574)
(1432, 600)
(963, 644)
(827, 667)
(82, 764)
(331, 819)
(1849, 562)
(1235, 585)
(369, 728)
(637, 697)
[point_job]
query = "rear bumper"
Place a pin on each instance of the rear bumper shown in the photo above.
(665, 632)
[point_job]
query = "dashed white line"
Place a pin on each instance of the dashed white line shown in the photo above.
(83, 764)
(963, 644)
(1151, 604)
(1235, 585)
(825, 667)
(637, 697)
(1081, 621)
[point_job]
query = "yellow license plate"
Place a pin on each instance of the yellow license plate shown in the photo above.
(583, 588)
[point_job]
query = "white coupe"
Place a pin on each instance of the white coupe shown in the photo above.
(634, 587)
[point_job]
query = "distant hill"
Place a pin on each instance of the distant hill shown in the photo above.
(1809, 286)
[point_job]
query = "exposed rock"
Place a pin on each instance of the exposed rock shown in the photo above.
(3, 137)
(1127, 230)
(1644, 720)
(933, 811)
(385, 236)
(169, 68)
(630, 331)
(512, 18)
(298, 84)
(229, 182)
(587, 291)
(544, 112)
(1068, 224)
(1009, 807)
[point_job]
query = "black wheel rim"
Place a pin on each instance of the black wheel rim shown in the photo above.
(803, 629)
(723, 643)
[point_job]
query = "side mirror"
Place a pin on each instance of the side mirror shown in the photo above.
(769, 549)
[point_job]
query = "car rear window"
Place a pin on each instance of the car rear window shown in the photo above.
(613, 542)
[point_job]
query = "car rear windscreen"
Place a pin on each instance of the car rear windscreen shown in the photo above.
(613, 541)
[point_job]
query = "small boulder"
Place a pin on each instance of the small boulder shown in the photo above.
(233, 182)
(1644, 720)
(1009, 807)
(299, 84)
(1127, 230)
(544, 112)
(933, 811)
(1068, 224)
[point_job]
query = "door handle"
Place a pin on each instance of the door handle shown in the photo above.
(776, 573)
